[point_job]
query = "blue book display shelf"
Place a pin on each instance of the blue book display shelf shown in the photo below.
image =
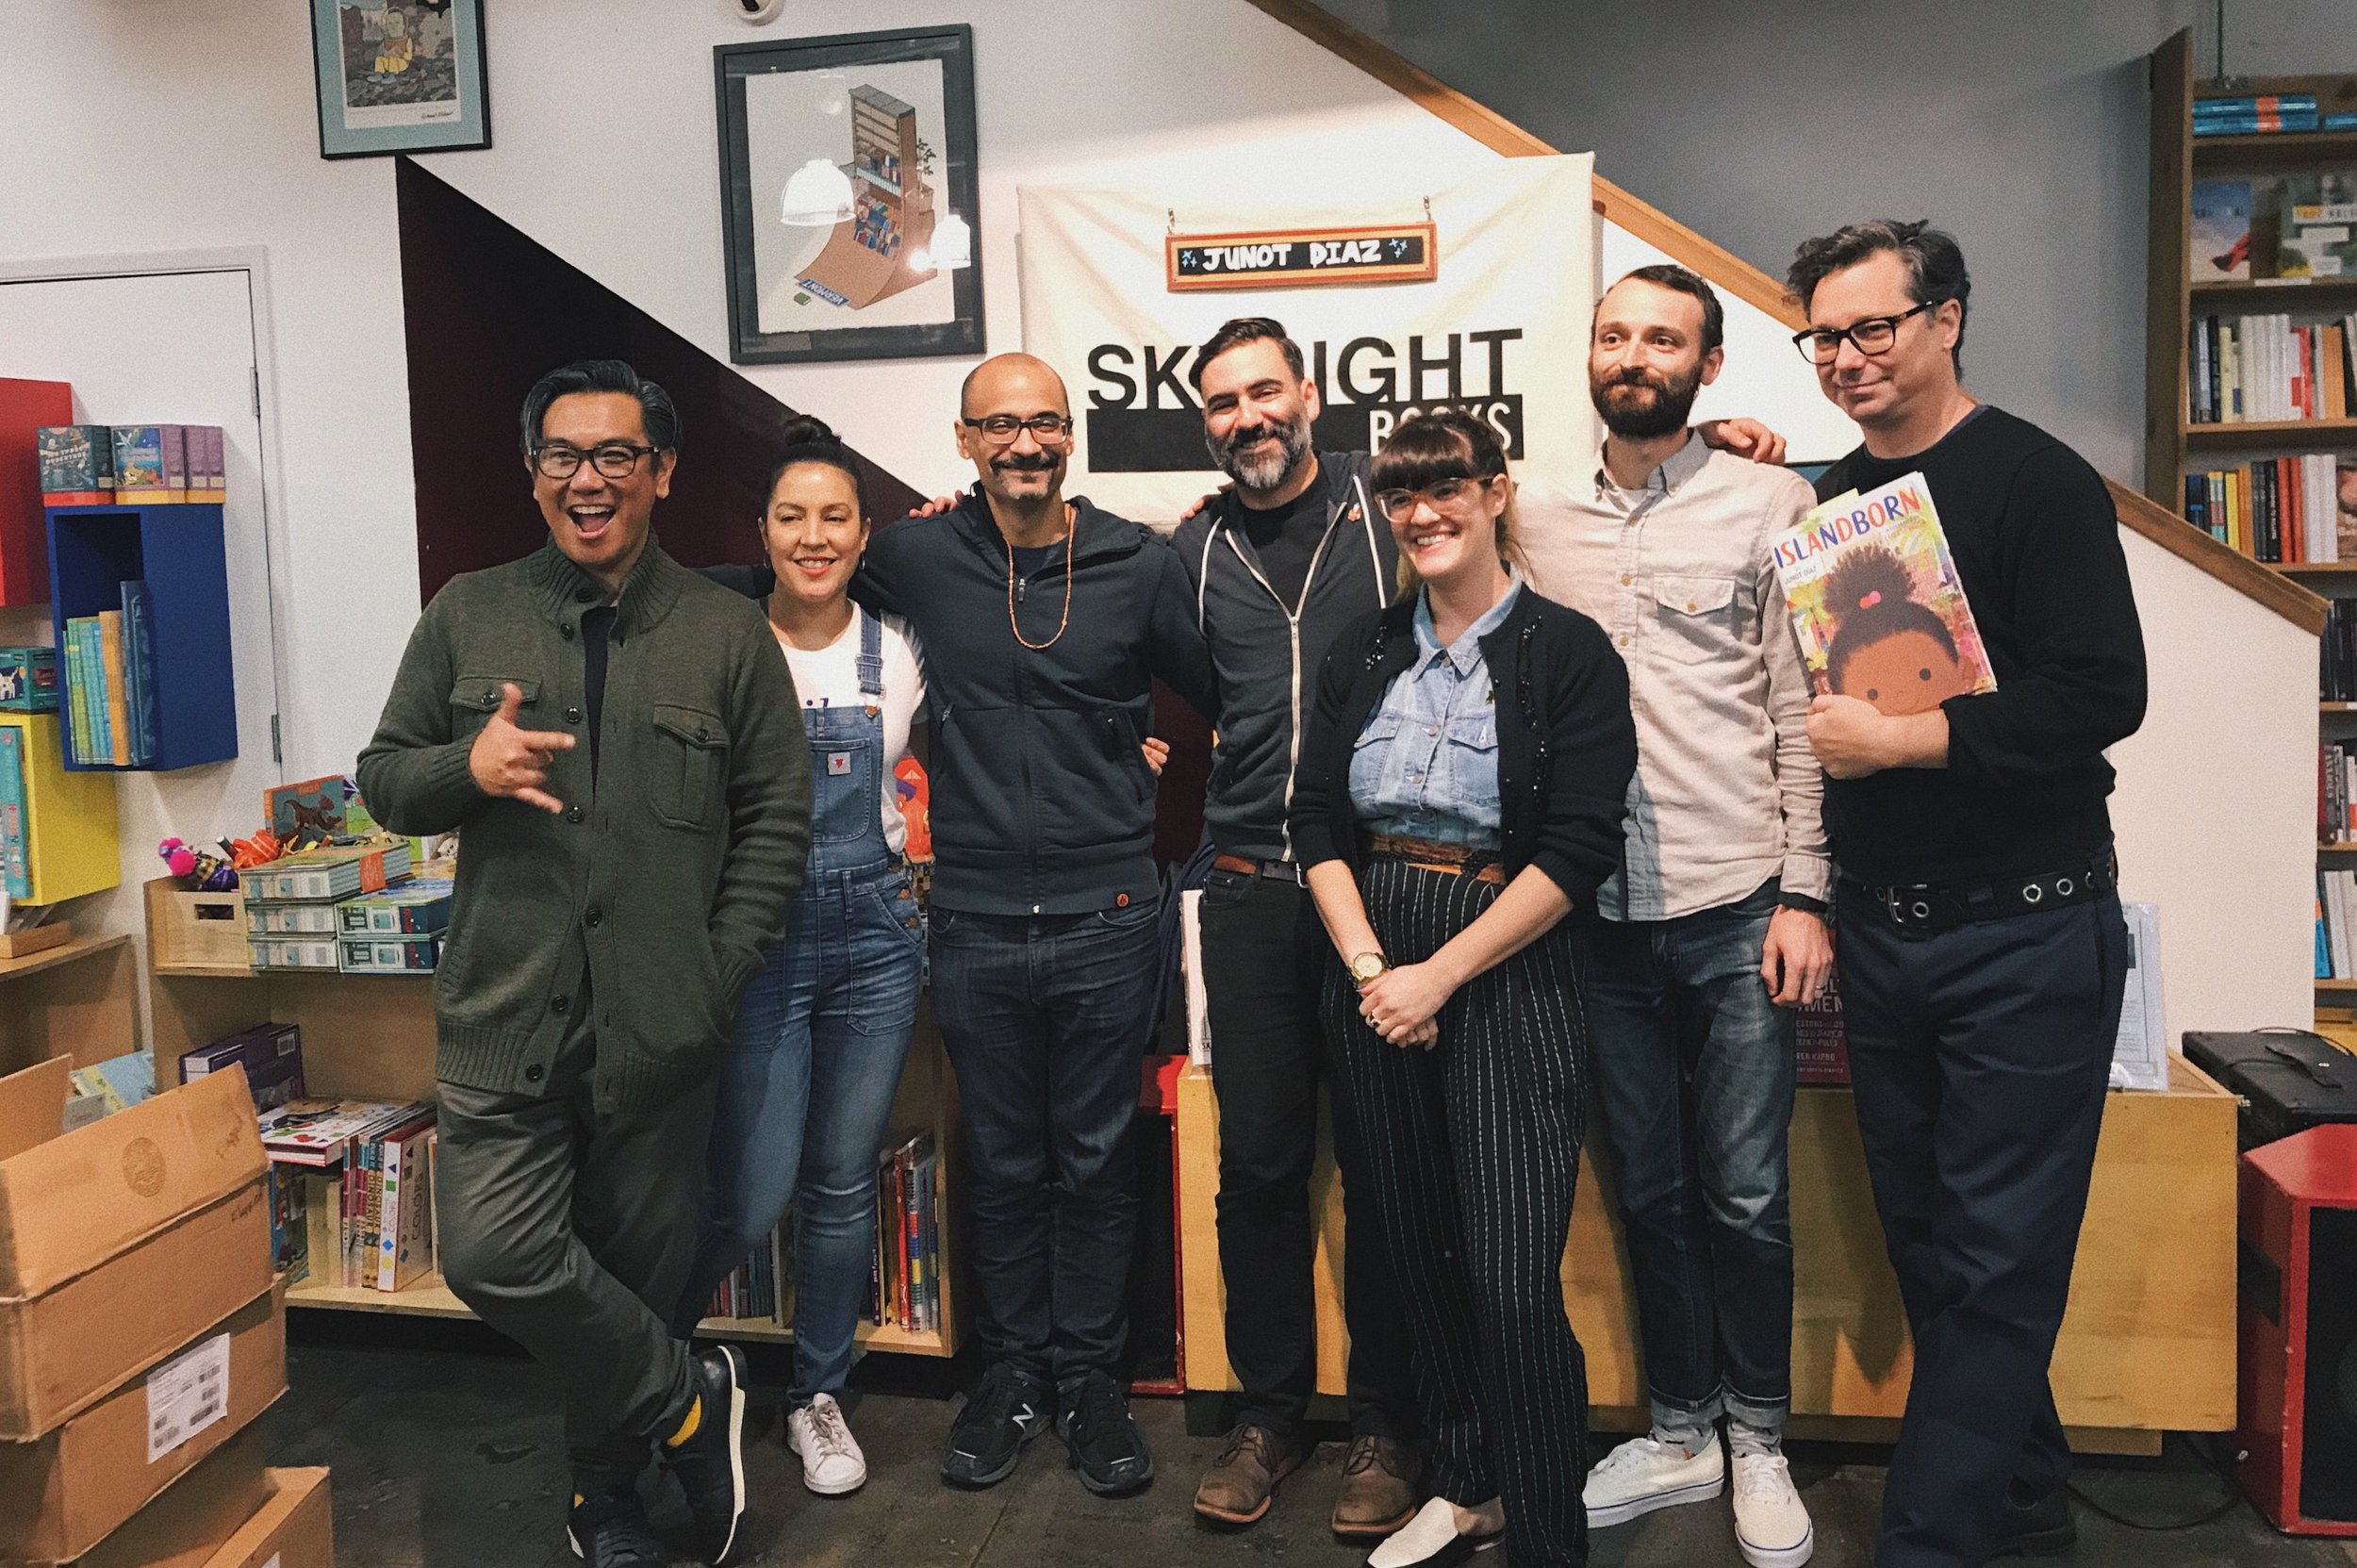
(179, 551)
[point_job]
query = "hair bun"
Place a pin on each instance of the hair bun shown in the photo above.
(806, 430)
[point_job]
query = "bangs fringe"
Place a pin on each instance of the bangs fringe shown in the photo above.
(1423, 452)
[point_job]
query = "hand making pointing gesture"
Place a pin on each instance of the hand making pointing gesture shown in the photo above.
(514, 763)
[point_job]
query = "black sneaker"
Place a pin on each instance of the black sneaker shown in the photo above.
(1003, 1413)
(609, 1530)
(710, 1464)
(2039, 1529)
(1107, 1448)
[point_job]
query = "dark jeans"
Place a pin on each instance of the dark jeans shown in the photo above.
(569, 1230)
(1694, 1068)
(1978, 1058)
(1044, 1017)
(1263, 952)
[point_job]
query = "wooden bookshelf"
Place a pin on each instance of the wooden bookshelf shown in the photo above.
(372, 1035)
(76, 1000)
(2175, 447)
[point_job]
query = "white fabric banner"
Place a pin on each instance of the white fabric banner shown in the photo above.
(1502, 333)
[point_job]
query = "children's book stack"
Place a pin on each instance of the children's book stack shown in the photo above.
(110, 696)
(362, 1179)
(127, 465)
(906, 1289)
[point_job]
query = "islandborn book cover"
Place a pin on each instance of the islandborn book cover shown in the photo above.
(1876, 603)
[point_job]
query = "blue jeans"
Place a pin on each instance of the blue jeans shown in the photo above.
(1693, 1068)
(821, 1035)
(1046, 1018)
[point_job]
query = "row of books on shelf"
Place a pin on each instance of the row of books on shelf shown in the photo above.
(904, 1281)
(2273, 228)
(2242, 368)
(356, 907)
(367, 1222)
(2336, 925)
(110, 696)
(2336, 792)
(2266, 113)
(2337, 652)
(97, 464)
(2285, 511)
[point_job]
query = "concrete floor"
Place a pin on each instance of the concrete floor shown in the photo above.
(447, 1453)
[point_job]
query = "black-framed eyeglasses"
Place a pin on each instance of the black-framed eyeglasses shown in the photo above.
(1399, 506)
(614, 459)
(1001, 429)
(1819, 345)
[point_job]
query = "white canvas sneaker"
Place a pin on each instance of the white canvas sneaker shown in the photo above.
(1770, 1521)
(1641, 1475)
(831, 1461)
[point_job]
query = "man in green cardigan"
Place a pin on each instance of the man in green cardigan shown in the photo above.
(618, 742)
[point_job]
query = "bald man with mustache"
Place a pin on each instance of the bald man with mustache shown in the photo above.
(1044, 621)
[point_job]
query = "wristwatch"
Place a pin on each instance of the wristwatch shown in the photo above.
(1366, 966)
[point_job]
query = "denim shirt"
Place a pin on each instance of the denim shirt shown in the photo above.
(1427, 764)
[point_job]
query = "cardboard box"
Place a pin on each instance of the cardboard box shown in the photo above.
(121, 1240)
(63, 1494)
(294, 1530)
(197, 1516)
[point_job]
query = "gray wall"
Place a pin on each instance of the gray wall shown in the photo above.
(2020, 126)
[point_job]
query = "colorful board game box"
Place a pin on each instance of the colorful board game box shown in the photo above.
(418, 907)
(271, 1055)
(139, 453)
(28, 680)
(78, 464)
(388, 955)
(330, 805)
(327, 873)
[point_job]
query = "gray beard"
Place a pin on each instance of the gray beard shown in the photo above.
(1264, 473)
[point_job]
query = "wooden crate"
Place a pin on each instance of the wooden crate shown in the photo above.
(195, 931)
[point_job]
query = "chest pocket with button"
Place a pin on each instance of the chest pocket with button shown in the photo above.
(473, 699)
(691, 752)
(1693, 618)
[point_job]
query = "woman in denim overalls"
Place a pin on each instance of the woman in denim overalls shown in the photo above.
(824, 1027)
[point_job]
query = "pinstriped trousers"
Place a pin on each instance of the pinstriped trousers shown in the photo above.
(1472, 1152)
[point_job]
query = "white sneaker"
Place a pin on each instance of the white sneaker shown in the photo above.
(1770, 1521)
(1431, 1537)
(1641, 1475)
(831, 1463)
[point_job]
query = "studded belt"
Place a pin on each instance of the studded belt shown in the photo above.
(1938, 906)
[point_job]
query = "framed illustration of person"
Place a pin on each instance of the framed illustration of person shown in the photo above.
(847, 196)
(399, 76)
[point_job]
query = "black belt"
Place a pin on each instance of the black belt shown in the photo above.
(1936, 906)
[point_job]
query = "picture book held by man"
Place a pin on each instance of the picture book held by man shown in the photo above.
(1876, 603)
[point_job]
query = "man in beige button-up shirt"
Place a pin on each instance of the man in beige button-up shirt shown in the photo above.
(1715, 928)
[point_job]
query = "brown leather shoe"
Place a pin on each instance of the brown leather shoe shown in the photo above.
(1242, 1481)
(1378, 1492)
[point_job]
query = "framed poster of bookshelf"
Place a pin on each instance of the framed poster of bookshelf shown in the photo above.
(849, 204)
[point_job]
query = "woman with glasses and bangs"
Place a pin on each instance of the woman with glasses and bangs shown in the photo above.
(1461, 795)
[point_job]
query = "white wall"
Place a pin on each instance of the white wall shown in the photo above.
(130, 143)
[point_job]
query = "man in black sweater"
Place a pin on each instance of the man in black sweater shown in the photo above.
(1983, 955)
(1043, 622)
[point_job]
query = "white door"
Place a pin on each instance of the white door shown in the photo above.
(163, 348)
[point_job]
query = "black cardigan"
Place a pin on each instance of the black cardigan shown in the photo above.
(1567, 745)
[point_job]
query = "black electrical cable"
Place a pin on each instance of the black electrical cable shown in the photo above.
(2233, 1500)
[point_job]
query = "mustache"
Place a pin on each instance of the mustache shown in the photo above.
(1040, 463)
(1633, 377)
